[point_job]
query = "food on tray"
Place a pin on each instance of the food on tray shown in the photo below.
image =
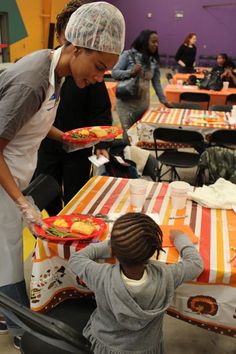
(98, 131)
(60, 223)
(83, 227)
(90, 134)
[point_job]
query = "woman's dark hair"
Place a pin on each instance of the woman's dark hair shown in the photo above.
(189, 36)
(63, 17)
(135, 237)
(141, 45)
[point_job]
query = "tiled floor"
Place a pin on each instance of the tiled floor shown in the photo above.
(180, 337)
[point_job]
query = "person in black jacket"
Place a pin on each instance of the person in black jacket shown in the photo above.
(186, 54)
(78, 108)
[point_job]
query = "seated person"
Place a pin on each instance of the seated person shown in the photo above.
(221, 62)
(228, 74)
(133, 295)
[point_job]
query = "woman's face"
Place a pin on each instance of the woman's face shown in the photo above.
(153, 43)
(88, 67)
(220, 60)
(193, 40)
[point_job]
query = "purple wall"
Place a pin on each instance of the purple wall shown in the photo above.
(215, 27)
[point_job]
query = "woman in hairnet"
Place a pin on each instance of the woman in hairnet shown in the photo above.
(29, 95)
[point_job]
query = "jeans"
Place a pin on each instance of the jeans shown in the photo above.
(18, 293)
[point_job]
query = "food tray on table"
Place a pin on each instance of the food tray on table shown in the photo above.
(89, 134)
(72, 227)
(184, 228)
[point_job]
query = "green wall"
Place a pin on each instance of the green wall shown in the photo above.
(16, 25)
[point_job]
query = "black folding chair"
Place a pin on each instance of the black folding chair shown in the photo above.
(220, 108)
(45, 333)
(224, 138)
(43, 189)
(169, 77)
(202, 99)
(175, 158)
(231, 99)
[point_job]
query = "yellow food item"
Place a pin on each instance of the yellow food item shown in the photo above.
(84, 132)
(83, 227)
(60, 222)
(98, 131)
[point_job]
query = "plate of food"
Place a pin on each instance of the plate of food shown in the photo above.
(73, 227)
(89, 134)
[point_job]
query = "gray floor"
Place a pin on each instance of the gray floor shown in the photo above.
(180, 337)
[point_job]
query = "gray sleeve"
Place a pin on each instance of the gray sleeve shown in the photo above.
(18, 104)
(83, 264)
(157, 85)
(191, 264)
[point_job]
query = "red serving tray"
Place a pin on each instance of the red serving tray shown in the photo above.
(70, 219)
(67, 135)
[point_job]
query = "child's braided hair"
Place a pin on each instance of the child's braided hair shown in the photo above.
(135, 237)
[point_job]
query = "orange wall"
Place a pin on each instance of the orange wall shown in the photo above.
(37, 15)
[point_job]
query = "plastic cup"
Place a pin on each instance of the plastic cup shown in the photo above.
(138, 188)
(225, 85)
(179, 193)
(180, 82)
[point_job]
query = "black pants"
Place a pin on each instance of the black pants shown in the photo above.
(71, 170)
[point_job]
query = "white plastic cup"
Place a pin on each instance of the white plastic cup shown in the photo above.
(180, 82)
(138, 188)
(179, 193)
(225, 85)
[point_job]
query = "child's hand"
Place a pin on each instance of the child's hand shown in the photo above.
(174, 234)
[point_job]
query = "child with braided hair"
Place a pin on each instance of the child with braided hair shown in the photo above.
(133, 294)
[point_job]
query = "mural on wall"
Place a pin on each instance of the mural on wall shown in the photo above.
(16, 27)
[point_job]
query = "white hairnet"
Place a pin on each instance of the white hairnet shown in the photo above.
(98, 26)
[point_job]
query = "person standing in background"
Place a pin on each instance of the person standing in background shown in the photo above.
(186, 54)
(29, 96)
(143, 60)
(77, 108)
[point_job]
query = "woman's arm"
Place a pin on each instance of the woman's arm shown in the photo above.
(55, 134)
(157, 85)
(6, 179)
(122, 70)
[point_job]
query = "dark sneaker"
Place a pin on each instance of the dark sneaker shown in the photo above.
(16, 342)
(3, 327)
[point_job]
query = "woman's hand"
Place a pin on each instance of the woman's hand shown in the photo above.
(169, 104)
(103, 152)
(30, 213)
(136, 69)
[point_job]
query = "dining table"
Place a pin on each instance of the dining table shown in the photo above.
(183, 77)
(205, 122)
(209, 301)
(173, 92)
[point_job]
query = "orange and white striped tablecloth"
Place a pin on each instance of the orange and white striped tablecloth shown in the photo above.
(209, 301)
(141, 133)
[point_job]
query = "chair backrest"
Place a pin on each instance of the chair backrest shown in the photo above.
(47, 329)
(220, 108)
(186, 105)
(231, 99)
(179, 136)
(223, 137)
(169, 77)
(202, 98)
(43, 189)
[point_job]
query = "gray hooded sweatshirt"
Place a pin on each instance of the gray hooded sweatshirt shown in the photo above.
(128, 320)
